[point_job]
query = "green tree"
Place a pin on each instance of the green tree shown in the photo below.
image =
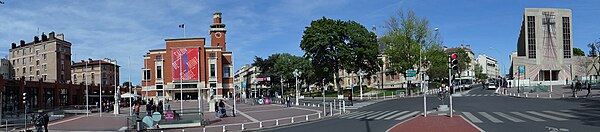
(438, 64)
(281, 66)
(578, 52)
(464, 60)
(406, 36)
(479, 72)
(331, 45)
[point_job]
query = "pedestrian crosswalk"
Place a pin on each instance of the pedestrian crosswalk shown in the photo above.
(475, 117)
(361, 104)
(481, 95)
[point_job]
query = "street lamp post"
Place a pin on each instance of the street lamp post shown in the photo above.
(361, 74)
(87, 92)
(297, 73)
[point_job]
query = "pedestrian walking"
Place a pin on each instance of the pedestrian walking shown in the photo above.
(350, 98)
(45, 119)
(160, 107)
(222, 107)
(217, 111)
(137, 109)
(589, 89)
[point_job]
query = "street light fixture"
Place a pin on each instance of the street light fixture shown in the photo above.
(25, 107)
(297, 74)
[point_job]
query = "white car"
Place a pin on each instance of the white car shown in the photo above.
(491, 86)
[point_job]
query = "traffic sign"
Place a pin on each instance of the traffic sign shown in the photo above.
(411, 73)
(169, 115)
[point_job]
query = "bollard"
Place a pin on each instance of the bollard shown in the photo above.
(563, 95)
(526, 95)
(330, 109)
(344, 106)
(303, 104)
(292, 119)
(260, 125)
(224, 130)
(182, 130)
(549, 95)
(537, 95)
(318, 105)
(204, 129)
(319, 115)
(518, 94)
(307, 117)
(334, 103)
(243, 126)
(276, 122)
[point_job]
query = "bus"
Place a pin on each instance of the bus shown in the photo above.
(464, 82)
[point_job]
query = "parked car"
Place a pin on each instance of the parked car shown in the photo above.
(491, 86)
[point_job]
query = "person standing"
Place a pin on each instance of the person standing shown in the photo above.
(350, 98)
(222, 108)
(217, 110)
(46, 119)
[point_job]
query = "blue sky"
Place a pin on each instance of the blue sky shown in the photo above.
(119, 29)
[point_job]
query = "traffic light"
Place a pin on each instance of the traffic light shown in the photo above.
(454, 61)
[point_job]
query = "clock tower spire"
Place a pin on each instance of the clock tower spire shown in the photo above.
(217, 32)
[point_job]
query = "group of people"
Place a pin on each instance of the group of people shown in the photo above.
(41, 120)
(151, 107)
(579, 87)
(220, 111)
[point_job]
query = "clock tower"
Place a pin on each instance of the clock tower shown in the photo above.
(217, 32)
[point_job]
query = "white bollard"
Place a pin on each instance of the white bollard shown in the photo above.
(243, 126)
(292, 119)
(260, 124)
(224, 130)
(526, 95)
(330, 109)
(204, 129)
(549, 95)
(319, 115)
(344, 106)
(537, 95)
(303, 104)
(183, 130)
(563, 95)
(519, 95)
(318, 105)
(276, 122)
(307, 117)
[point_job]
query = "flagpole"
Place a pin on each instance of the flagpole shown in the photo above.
(200, 99)
(100, 61)
(180, 84)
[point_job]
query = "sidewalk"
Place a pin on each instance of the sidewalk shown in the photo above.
(435, 124)
(558, 91)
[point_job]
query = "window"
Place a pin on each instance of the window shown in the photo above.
(212, 55)
(159, 93)
(23, 61)
(158, 72)
(30, 50)
(37, 52)
(44, 55)
(23, 70)
(531, 36)
(44, 66)
(75, 77)
(566, 37)
(30, 70)
(23, 51)
(226, 72)
(83, 76)
(37, 62)
(92, 77)
(44, 76)
(159, 86)
(146, 74)
(44, 46)
(31, 59)
(212, 70)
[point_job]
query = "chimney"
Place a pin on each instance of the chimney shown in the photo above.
(13, 45)
(44, 37)
(22, 42)
(60, 36)
(468, 46)
(36, 39)
(217, 17)
(51, 34)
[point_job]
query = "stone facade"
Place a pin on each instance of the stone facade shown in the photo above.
(47, 59)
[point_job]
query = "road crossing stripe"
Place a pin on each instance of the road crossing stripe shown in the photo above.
(508, 117)
(364, 112)
(561, 114)
(581, 113)
(407, 115)
(472, 117)
(377, 115)
(368, 114)
(388, 114)
(547, 116)
(480, 95)
(527, 116)
(397, 114)
(352, 114)
(490, 117)
(486, 95)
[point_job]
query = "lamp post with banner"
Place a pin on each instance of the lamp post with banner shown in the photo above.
(297, 74)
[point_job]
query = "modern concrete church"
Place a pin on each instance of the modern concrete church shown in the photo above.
(544, 49)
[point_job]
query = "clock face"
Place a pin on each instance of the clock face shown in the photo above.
(218, 34)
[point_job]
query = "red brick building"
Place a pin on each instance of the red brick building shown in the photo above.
(187, 65)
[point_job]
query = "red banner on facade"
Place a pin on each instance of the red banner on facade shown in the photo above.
(185, 63)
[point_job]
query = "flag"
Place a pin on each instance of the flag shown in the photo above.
(182, 26)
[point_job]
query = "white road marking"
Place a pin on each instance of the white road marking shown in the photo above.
(397, 114)
(527, 116)
(490, 117)
(407, 115)
(377, 115)
(357, 115)
(386, 115)
(472, 117)
(547, 116)
(508, 117)
(370, 114)
(561, 114)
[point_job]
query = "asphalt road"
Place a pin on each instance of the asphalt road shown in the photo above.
(487, 110)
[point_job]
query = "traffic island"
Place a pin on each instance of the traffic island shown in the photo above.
(435, 124)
